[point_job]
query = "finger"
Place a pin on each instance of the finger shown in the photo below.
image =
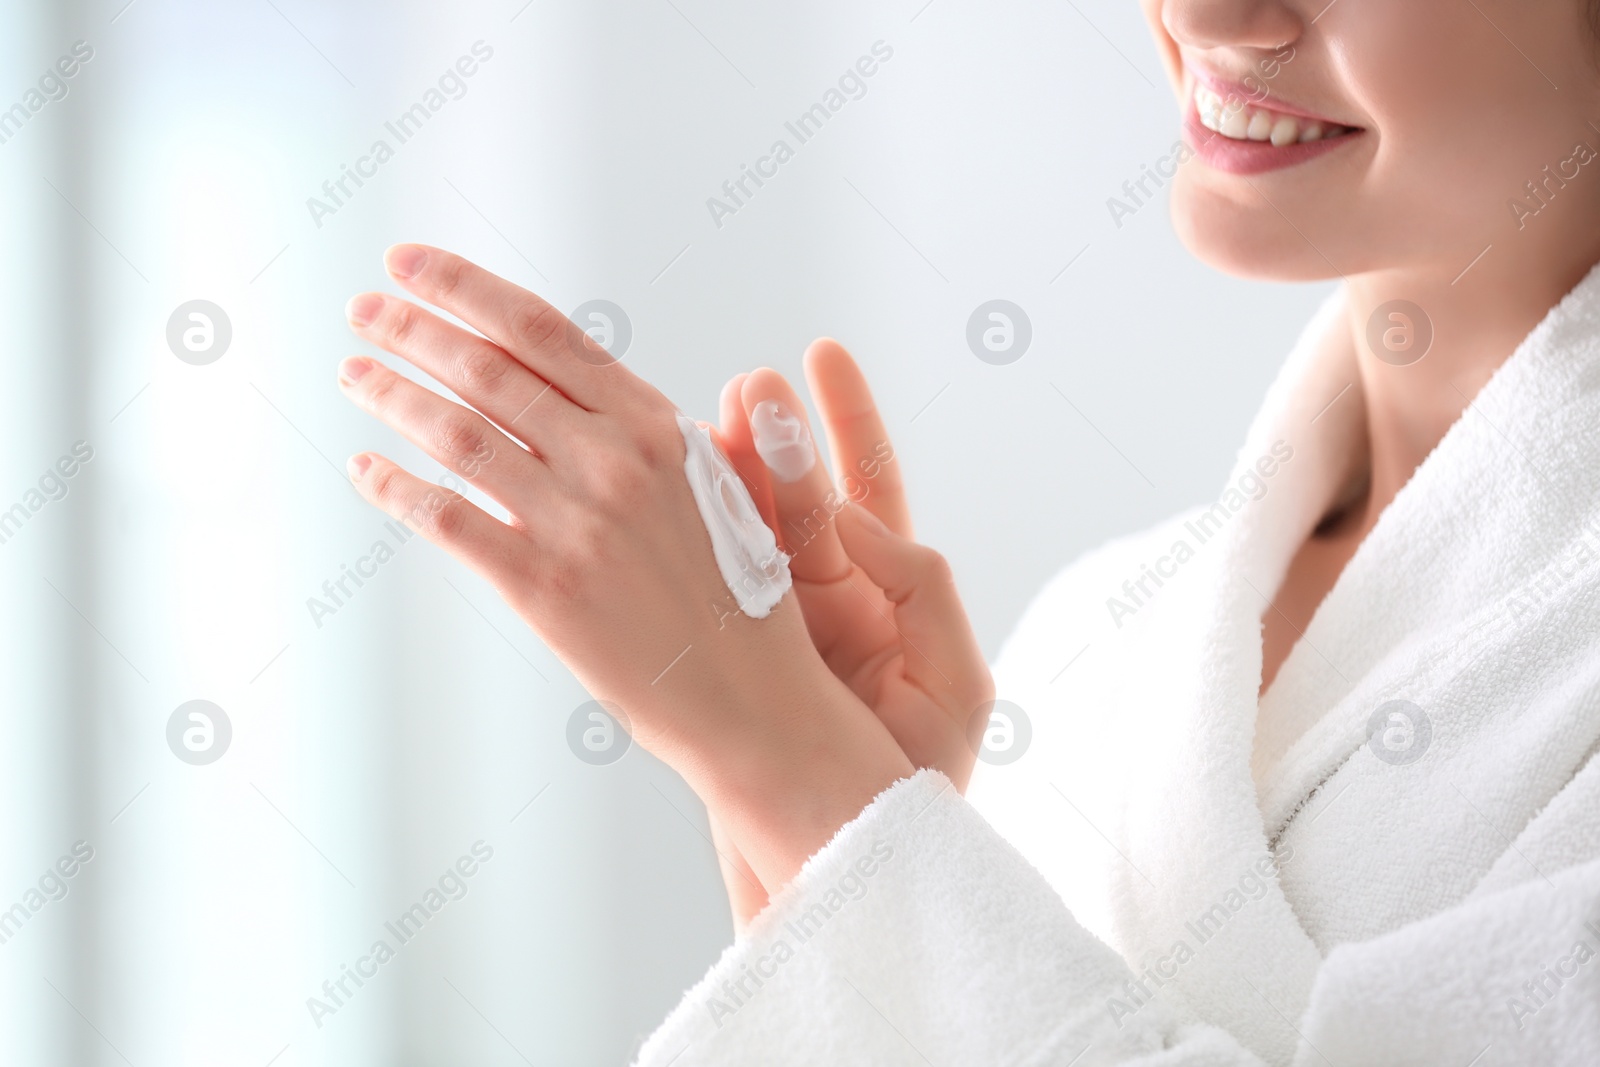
(518, 321)
(740, 448)
(478, 371)
(804, 499)
(943, 655)
(457, 437)
(857, 439)
(444, 517)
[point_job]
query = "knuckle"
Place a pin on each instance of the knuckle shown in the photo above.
(448, 275)
(404, 320)
(380, 391)
(437, 515)
(932, 567)
(536, 324)
(482, 369)
(458, 435)
(384, 484)
(448, 521)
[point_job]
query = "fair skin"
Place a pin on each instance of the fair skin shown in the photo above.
(587, 459)
(882, 610)
(1454, 119)
(787, 726)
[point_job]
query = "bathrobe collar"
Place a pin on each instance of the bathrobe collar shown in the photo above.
(1195, 823)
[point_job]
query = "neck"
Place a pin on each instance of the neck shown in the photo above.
(1477, 318)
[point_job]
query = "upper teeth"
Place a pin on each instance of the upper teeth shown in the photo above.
(1241, 122)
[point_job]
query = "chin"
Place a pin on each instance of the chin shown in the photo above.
(1243, 239)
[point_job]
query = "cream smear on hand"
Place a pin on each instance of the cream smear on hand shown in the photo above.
(755, 570)
(782, 441)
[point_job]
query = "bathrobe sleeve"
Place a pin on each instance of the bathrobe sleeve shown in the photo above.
(918, 935)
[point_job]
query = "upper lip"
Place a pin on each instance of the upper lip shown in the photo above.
(1252, 95)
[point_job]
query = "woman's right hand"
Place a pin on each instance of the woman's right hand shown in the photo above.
(881, 609)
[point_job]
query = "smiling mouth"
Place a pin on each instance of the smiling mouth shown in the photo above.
(1242, 137)
(1251, 122)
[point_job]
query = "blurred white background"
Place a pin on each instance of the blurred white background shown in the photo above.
(372, 751)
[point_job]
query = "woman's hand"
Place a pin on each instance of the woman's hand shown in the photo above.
(882, 609)
(605, 554)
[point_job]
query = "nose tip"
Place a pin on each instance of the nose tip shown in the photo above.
(1265, 24)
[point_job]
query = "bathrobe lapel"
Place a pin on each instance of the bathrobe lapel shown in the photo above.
(1496, 520)
(1192, 828)
(1195, 826)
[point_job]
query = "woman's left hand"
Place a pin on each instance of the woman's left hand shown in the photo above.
(605, 555)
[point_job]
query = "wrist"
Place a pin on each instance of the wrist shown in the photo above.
(814, 757)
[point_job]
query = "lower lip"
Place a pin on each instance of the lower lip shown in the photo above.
(1252, 157)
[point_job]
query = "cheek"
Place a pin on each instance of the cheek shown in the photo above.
(1464, 117)
(1440, 138)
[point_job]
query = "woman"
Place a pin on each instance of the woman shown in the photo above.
(1314, 774)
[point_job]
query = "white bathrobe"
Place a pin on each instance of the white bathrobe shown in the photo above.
(1392, 857)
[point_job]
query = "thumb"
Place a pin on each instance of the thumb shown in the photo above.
(942, 655)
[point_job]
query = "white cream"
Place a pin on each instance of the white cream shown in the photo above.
(782, 441)
(755, 570)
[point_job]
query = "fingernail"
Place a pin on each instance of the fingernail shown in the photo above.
(357, 466)
(363, 309)
(405, 261)
(351, 370)
(782, 441)
(870, 522)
